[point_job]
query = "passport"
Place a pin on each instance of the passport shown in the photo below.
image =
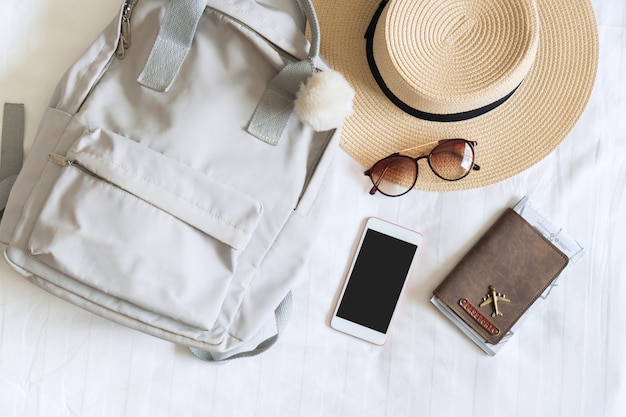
(501, 276)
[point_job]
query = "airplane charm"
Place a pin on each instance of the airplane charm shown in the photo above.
(493, 297)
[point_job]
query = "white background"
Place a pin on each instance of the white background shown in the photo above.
(568, 360)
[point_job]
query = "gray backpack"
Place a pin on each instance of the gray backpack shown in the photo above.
(171, 185)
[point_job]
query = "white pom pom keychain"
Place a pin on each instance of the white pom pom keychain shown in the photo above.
(325, 101)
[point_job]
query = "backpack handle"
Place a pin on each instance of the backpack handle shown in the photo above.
(176, 34)
(314, 24)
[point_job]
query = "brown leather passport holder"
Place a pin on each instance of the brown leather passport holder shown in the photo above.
(501, 276)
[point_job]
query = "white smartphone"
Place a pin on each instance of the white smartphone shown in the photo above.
(377, 276)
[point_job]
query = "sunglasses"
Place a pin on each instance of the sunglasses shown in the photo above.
(450, 160)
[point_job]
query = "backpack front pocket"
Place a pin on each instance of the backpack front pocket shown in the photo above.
(137, 225)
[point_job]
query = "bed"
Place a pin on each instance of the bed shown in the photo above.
(567, 360)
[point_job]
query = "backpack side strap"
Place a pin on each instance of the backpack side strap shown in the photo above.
(12, 150)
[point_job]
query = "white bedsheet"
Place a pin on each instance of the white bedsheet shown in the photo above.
(568, 359)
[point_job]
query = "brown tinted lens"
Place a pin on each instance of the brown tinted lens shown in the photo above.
(394, 175)
(452, 159)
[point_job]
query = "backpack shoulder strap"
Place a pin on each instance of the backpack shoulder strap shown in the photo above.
(281, 315)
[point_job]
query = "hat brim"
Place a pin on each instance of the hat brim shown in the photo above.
(512, 137)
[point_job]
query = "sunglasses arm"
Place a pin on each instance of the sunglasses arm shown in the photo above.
(373, 190)
(421, 146)
(375, 186)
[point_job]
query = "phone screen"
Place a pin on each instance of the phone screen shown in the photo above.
(376, 281)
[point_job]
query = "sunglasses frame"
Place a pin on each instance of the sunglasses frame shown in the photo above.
(369, 172)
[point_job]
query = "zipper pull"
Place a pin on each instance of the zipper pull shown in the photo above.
(124, 42)
(59, 160)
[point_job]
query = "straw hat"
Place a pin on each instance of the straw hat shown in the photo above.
(512, 75)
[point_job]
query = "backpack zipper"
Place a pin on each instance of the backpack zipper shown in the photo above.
(65, 162)
(124, 41)
(125, 31)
